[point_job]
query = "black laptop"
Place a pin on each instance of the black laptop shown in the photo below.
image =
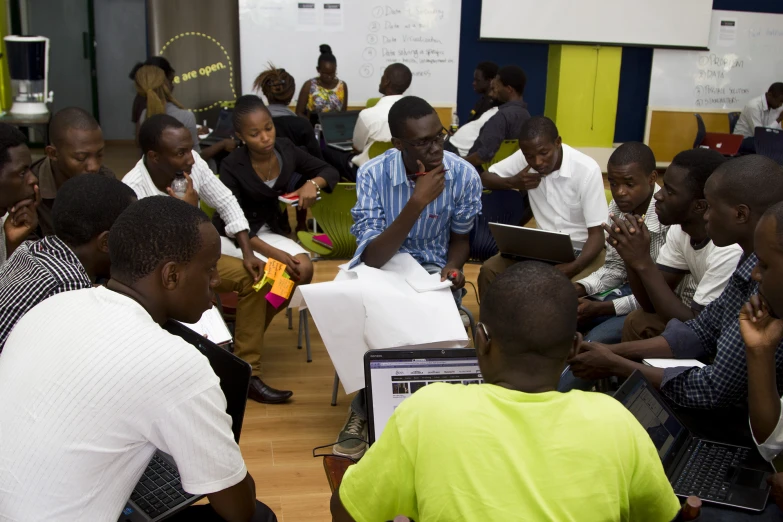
(717, 473)
(159, 493)
(224, 128)
(524, 243)
(337, 128)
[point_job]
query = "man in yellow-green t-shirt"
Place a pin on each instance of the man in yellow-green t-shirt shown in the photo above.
(513, 448)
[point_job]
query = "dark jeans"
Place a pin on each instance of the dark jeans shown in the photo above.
(607, 329)
(205, 513)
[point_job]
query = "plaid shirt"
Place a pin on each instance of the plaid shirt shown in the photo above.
(36, 271)
(715, 335)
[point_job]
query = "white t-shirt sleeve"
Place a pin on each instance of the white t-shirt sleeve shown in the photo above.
(197, 434)
(593, 197)
(361, 132)
(721, 263)
(771, 447)
(671, 254)
(512, 165)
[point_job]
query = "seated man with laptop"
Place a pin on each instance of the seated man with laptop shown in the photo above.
(566, 192)
(738, 193)
(416, 199)
(132, 388)
(505, 449)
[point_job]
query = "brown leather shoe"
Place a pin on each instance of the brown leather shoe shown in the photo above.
(262, 393)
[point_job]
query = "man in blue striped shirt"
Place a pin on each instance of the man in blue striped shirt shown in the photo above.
(415, 199)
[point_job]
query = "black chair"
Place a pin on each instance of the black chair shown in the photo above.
(701, 131)
(769, 143)
(733, 118)
(498, 206)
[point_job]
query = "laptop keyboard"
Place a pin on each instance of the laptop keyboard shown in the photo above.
(159, 489)
(709, 471)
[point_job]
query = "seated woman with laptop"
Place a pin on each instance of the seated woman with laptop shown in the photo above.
(258, 174)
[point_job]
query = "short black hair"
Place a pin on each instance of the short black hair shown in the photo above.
(776, 89)
(10, 137)
(70, 118)
(531, 308)
(87, 205)
(399, 76)
(700, 164)
(488, 69)
(155, 230)
(776, 212)
(538, 126)
(152, 130)
(407, 108)
(513, 76)
(244, 106)
(326, 55)
(753, 180)
(157, 61)
(633, 152)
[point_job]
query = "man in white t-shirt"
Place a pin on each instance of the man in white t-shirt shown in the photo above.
(763, 111)
(462, 141)
(91, 385)
(688, 250)
(566, 192)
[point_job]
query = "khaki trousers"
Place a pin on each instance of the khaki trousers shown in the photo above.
(641, 325)
(251, 311)
(497, 264)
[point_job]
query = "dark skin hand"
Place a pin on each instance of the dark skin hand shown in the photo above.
(597, 361)
(459, 251)
(524, 180)
(588, 308)
(776, 481)
(593, 247)
(22, 220)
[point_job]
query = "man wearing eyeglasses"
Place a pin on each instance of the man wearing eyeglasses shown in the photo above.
(415, 199)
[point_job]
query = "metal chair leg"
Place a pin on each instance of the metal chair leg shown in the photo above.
(301, 327)
(472, 322)
(335, 387)
(290, 315)
(304, 319)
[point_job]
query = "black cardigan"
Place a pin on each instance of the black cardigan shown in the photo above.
(258, 201)
(299, 131)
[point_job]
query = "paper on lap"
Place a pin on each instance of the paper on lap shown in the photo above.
(212, 326)
(674, 363)
(368, 308)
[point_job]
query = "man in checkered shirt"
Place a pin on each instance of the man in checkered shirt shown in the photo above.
(738, 193)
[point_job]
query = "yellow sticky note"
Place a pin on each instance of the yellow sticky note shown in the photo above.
(260, 283)
(283, 287)
(274, 269)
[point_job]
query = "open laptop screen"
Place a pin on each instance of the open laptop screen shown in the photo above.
(392, 380)
(338, 126)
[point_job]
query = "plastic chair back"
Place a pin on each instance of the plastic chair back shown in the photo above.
(769, 143)
(701, 131)
(333, 215)
(498, 206)
(379, 147)
(372, 102)
(733, 119)
(507, 148)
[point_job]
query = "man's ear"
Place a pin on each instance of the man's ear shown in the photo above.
(700, 206)
(103, 242)
(653, 177)
(51, 152)
(575, 346)
(482, 343)
(397, 144)
(170, 275)
(152, 156)
(742, 213)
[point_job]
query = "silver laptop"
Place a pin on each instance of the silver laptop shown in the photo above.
(392, 375)
(522, 244)
(337, 129)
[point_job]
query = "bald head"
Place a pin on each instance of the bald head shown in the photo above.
(753, 180)
(396, 79)
(77, 144)
(70, 118)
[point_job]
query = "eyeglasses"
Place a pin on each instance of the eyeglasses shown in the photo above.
(438, 140)
(483, 328)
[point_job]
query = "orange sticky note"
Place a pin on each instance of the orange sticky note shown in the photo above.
(282, 287)
(274, 269)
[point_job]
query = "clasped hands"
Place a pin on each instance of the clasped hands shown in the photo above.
(629, 235)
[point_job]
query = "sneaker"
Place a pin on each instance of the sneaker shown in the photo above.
(351, 442)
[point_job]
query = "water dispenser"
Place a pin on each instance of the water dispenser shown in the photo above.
(28, 65)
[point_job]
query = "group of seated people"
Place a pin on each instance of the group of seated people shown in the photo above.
(91, 267)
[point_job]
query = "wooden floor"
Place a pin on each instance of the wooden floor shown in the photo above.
(277, 440)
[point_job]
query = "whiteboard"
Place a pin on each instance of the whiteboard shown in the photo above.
(743, 61)
(365, 36)
(619, 22)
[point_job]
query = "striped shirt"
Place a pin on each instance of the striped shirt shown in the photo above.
(614, 274)
(91, 385)
(383, 190)
(36, 271)
(205, 183)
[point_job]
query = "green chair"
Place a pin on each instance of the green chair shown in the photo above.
(379, 147)
(333, 215)
(372, 102)
(609, 197)
(507, 148)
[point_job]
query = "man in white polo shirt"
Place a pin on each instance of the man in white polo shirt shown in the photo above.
(763, 111)
(91, 385)
(566, 192)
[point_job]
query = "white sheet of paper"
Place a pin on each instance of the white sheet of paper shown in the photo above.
(368, 308)
(212, 326)
(674, 363)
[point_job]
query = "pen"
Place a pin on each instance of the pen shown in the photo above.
(425, 173)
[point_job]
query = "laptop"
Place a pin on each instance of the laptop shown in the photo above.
(522, 244)
(159, 493)
(337, 129)
(717, 473)
(224, 128)
(393, 375)
(726, 144)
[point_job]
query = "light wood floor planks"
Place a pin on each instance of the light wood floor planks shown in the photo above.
(277, 440)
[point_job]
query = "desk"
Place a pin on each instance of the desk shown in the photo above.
(32, 121)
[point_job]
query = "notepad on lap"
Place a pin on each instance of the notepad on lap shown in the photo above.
(212, 326)
(674, 363)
